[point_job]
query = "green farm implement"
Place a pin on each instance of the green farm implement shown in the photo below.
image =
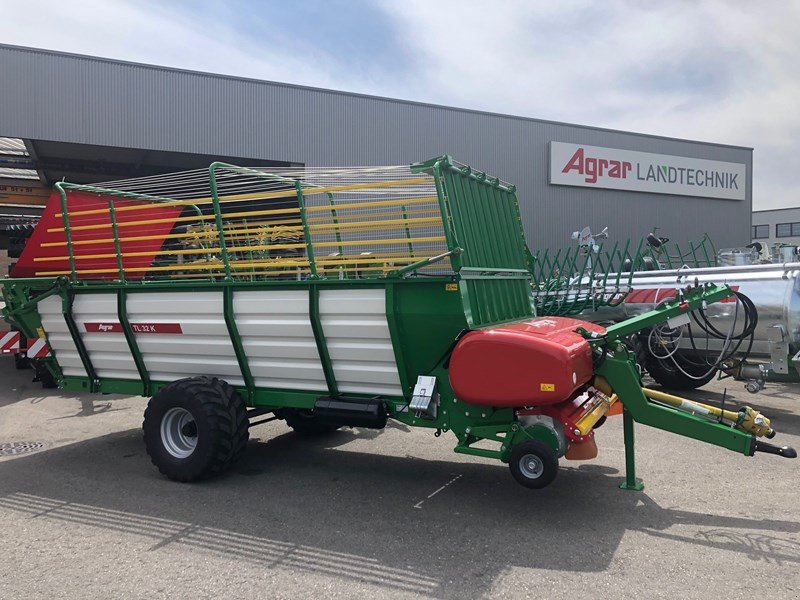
(332, 297)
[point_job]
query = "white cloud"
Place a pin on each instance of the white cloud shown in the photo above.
(719, 71)
(183, 35)
(709, 70)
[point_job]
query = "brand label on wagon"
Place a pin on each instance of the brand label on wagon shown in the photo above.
(108, 327)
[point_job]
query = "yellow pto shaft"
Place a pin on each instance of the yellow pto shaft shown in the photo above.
(746, 419)
(599, 407)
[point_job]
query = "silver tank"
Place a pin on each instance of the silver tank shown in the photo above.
(773, 288)
(784, 254)
(738, 257)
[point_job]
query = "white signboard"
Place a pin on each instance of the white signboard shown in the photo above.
(592, 166)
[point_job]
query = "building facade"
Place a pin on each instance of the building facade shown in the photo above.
(88, 118)
(777, 226)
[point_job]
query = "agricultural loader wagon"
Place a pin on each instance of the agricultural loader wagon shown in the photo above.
(332, 297)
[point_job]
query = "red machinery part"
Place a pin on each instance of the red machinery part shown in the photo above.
(45, 250)
(538, 362)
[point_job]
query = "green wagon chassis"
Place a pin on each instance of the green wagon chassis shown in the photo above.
(491, 284)
(470, 424)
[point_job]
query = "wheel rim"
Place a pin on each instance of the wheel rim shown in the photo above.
(531, 466)
(179, 432)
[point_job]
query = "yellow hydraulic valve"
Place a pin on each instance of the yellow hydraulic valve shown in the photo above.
(746, 419)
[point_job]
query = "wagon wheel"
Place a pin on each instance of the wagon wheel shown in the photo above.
(533, 464)
(195, 428)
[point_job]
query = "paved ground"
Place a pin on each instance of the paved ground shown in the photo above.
(87, 516)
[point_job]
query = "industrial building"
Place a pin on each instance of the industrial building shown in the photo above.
(91, 119)
(777, 226)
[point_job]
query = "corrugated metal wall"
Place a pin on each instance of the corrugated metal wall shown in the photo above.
(58, 97)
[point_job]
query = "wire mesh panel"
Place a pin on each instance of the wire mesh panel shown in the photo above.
(236, 223)
(246, 224)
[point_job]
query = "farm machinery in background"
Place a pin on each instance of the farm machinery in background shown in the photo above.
(333, 297)
(18, 234)
(756, 340)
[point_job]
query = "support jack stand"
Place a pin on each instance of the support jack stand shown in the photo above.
(630, 483)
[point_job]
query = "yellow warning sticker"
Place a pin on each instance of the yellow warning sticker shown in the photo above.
(547, 387)
(451, 287)
(40, 333)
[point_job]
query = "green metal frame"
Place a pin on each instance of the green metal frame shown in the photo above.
(319, 338)
(619, 369)
(236, 341)
(67, 301)
(130, 338)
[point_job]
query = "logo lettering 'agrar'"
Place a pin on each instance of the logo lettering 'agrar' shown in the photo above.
(592, 168)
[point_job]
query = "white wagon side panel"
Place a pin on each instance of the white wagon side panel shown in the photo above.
(108, 352)
(59, 338)
(360, 346)
(202, 347)
(278, 340)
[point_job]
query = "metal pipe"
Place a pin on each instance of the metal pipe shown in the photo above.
(734, 269)
(426, 261)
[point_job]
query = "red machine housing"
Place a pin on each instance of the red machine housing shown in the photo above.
(533, 363)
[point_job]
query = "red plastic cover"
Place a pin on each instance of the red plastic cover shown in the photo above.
(531, 363)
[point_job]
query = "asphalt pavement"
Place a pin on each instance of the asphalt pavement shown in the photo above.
(384, 514)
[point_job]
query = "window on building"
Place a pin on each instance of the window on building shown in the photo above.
(787, 229)
(760, 232)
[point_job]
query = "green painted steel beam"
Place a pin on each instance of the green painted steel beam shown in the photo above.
(630, 483)
(321, 342)
(66, 309)
(133, 345)
(424, 262)
(62, 194)
(620, 371)
(117, 248)
(236, 341)
(335, 217)
(212, 181)
(688, 300)
(312, 263)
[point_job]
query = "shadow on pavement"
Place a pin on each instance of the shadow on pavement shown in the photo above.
(314, 506)
(18, 386)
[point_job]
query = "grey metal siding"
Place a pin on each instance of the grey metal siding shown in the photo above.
(58, 97)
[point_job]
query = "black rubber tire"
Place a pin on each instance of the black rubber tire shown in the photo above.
(667, 375)
(304, 423)
(547, 460)
(221, 423)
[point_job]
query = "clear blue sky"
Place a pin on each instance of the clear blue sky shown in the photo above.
(722, 71)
